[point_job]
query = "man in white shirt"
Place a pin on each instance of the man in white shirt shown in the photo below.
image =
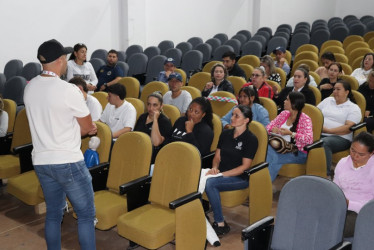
(58, 117)
(118, 114)
(93, 104)
(176, 96)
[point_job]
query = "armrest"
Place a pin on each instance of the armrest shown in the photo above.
(345, 245)
(22, 148)
(183, 200)
(316, 144)
(99, 167)
(357, 126)
(124, 188)
(256, 227)
(256, 168)
(99, 174)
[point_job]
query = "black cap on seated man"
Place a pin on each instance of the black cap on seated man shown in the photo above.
(229, 60)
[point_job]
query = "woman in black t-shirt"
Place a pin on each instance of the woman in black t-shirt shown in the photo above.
(326, 85)
(154, 123)
(235, 151)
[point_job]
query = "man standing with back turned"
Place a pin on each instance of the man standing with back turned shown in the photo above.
(58, 117)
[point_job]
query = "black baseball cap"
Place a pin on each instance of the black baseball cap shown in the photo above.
(51, 50)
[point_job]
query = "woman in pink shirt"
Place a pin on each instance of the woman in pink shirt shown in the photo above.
(354, 174)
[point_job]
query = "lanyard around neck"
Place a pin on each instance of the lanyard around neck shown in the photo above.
(50, 73)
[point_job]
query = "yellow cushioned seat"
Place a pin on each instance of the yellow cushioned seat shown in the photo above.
(25, 187)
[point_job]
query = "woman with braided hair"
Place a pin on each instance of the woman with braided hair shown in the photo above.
(295, 127)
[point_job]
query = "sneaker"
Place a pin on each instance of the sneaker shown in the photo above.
(220, 231)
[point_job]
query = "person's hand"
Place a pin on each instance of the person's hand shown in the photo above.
(284, 131)
(91, 87)
(102, 87)
(228, 126)
(213, 171)
(209, 85)
(367, 113)
(326, 86)
(156, 115)
(275, 130)
(189, 126)
(325, 130)
(167, 73)
(275, 90)
(93, 130)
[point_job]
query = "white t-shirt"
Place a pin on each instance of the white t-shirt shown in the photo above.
(336, 115)
(4, 120)
(119, 118)
(94, 107)
(181, 102)
(361, 75)
(52, 106)
(86, 71)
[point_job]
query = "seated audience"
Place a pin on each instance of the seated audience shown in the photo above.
(154, 123)
(270, 69)
(78, 66)
(248, 97)
(176, 96)
(340, 113)
(301, 84)
(327, 84)
(327, 58)
(354, 174)
(367, 65)
(280, 59)
(93, 104)
(235, 151)
(3, 119)
(295, 127)
(110, 73)
(229, 61)
(312, 82)
(118, 114)
(169, 67)
(258, 81)
(219, 81)
(197, 126)
(367, 90)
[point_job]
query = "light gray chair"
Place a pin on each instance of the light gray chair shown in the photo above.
(176, 54)
(133, 49)
(121, 55)
(192, 62)
(13, 68)
(100, 53)
(261, 39)
(222, 37)
(194, 41)
(155, 65)
(275, 42)
(97, 63)
(184, 47)
(235, 44)
(30, 70)
(2, 82)
(214, 42)
(138, 66)
(338, 32)
(319, 36)
(298, 40)
(217, 54)
(206, 49)
(13, 90)
(124, 66)
(252, 48)
(165, 45)
(364, 229)
(242, 38)
(152, 51)
(310, 215)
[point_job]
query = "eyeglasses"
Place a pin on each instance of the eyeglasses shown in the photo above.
(256, 75)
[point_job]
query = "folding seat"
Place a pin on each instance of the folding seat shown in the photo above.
(285, 26)
(174, 210)
(184, 47)
(307, 47)
(176, 54)
(252, 60)
(30, 70)
(334, 20)
(306, 55)
(319, 36)
(304, 24)
(370, 26)
(222, 37)
(235, 44)
(152, 51)
(248, 69)
(130, 160)
(332, 49)
(261, 39)
(339, 32)
(351, 80)
(13, 68)
(316, 77)
(208, 67)
(102, 97)
(267, 29)
(214, 42)
(206, 49)
(317, 94)
(363, 236)
(124, 66)
(341, 58)
(356, 53)
(355, 45)
(331, 43)
(97, 63)
(10, 107)
(247, 33)
(287, 30)
(352, 38)
(315, 164)
(165, 45)
(192, 62)
(303, 220)
(349, 18)
(138, 66)
(366, 18)
(265, 34)
(274, 84)
(252, 48)
(194, 41)
(301, 30)
(217, 54)
(298, 40)
(347, 69)
(154, 67)
(311, 63)
(284, 35)
(172, 112)
(2, 82)
(357, 28)
(270, 106)
(283, 77)
(242, 38)
(368, 35)
(194, 92)
(237, 83)
(132, 86)
(152, 87)
(370, 43)
(199, 80)
(12, 164)
(133, 49)
(221, 106)
(13, 90)
(121, 55)
(100, 53)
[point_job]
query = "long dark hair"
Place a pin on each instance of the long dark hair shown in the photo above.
(250, 91)
(77, 47)
(206, 108)
(297, 101)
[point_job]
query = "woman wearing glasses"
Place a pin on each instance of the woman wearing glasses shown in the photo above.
(258, 81)
(78, 66)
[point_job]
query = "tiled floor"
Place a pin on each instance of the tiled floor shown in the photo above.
(22, 229)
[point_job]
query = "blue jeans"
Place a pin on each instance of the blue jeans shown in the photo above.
(217, 184)
(276, 160)
(333, 144)
(74, 181)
